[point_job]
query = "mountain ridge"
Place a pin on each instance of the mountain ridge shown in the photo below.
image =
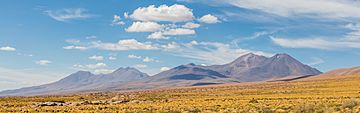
(80, 81)
(247, 68)
(342, 72)
(260, 68)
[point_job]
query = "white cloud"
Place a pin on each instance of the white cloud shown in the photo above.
(117, 20)
(43, 62)
(144, 59)
(134, 57)
(103, 71)
(98, 68)
(126, 15)
(148, 59)
(171, 45)
(7, 48)
(68, 14)
(91, 66)
(210, 19)
(97, 58)
(192, 43)
(211, 52)
(127, 44)
(306, 8)
(164, 69)
(112, 58)
(179, 31)
(76, 47)
(190, 25)
(174, 13)
(354, 35)
(260, 34)
(315, 43)
(157, 35)
(171, 32)
(144, 27)
(140, 66)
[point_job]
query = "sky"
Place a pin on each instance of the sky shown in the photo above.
(44, 41)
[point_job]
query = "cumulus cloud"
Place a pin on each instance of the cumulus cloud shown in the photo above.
(147, 19)
(117, 20)
(126, 15)
(76, 47)
(210, 19)
(43, 62)
(144, 27)
(68, 14)
(164, 69)
(157, 35)
(171, 45)
(127, 44)
(192, 43)
(7, 48)
(97, 58)
(174, 13)
(190, 25)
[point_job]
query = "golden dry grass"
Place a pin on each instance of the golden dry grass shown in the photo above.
(323, 95)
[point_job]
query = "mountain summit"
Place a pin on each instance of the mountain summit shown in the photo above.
(251, 67)
(247, 68)
(81, 81)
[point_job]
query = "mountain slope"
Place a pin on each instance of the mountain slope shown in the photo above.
(246, 68)
(240, 65)
(187, 72)
(342, 72)
(251, 67)
(186, 75)
(81, 81)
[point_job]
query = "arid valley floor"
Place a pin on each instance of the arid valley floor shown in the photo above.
(321, 94)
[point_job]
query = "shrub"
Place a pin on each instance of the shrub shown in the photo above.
(305, 108)
(253, 101)
(350, 103)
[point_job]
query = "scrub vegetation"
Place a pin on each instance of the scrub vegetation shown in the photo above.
(321, 95)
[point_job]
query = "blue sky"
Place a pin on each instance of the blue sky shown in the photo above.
(43, 41)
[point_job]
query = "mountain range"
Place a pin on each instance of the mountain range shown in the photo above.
(246, 68)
